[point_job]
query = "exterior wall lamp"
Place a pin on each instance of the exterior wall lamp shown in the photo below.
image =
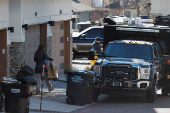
(25, 26)
(11, 29)
(52, 23)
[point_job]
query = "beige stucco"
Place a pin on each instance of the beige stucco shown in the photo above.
(4, 17)
(23, 12)
(160, 6)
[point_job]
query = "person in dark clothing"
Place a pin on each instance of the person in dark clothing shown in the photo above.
(39, 58)
(96, 46)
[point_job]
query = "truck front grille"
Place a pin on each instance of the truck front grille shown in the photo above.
(119, 71)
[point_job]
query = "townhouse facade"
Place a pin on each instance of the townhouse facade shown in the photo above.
(25, 24)
(83, 12)
(100, 8)
(128, 8)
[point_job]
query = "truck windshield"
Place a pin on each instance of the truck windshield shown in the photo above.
(128, 51)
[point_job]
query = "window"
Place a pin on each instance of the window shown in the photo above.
(93, 33)
(62, 66)
(155, 52)
(128, 51)
(61, 39)
(61, 52)
(162, 43)
(158, 49)
(61, 26)
(97, 3)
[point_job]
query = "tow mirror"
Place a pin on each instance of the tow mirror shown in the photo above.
(91, 55)
(166, 59)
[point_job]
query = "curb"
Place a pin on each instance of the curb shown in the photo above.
(44, 111)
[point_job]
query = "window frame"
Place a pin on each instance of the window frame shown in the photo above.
(61, 26)
(163, 47)
(62, 39)
(158, 49)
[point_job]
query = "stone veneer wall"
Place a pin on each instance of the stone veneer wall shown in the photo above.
(16, 57)
(8, 61)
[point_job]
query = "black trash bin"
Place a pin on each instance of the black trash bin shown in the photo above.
(17, 97)
(80, 87)
(2, 98)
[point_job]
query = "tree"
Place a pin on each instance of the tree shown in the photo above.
(142, 5)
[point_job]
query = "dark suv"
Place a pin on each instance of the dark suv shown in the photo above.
(82, 43)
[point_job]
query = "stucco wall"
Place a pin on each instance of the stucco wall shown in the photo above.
(83, 16)
(160, 6)
(90, 3)
(46, 10)
(23, 12)
(4, 14)
(4, 17)
(15, 20)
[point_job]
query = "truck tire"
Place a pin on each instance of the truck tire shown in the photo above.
(151, 93)
(165, 91)
(95, 98)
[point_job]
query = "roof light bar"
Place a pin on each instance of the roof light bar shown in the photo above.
(137, 30)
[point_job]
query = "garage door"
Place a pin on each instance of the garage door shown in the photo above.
(32, 41)
(3, 56)
(58, 45)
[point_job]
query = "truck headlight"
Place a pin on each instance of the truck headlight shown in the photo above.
(144, 73)
(96, 68)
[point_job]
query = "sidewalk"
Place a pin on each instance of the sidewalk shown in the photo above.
(55, 101)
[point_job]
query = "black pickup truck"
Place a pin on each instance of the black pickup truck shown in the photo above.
(135, 62)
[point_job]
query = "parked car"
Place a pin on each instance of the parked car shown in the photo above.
(82, 42)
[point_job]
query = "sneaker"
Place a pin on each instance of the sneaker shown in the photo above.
(51, 89)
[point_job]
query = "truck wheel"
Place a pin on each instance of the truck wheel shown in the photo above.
(95, 98)
(165, 91)
(151, 93)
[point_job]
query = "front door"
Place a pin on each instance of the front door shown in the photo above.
(3, 54)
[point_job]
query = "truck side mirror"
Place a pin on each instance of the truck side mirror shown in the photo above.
(166, 59)
(83, 36)
(91, 55)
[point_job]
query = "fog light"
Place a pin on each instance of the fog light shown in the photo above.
(143, 85)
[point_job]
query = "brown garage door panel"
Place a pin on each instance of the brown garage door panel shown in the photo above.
(3, 57)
